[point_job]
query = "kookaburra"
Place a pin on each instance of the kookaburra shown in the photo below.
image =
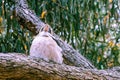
(45, 47)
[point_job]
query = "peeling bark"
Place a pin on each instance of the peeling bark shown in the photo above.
(28, 19)
(14, 66)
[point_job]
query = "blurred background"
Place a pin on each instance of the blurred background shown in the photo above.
(92, 27)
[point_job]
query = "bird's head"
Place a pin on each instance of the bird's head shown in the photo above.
(46, 31)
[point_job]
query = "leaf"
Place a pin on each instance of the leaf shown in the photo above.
(110, 63)
(1, 30)
(98, 59)
(118, 45)
(25, 47)
(3, 47)
(111, 44)
(43, 14)
(110, 1)
(105, 19)
(54, 1)
(11, 17)
(1, 20)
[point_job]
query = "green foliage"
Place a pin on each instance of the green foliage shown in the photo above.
(13, 38)
(90, 26)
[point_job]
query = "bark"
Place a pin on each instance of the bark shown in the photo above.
(29, 20)
(14, 66)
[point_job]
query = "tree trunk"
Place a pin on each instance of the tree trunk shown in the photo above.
(29, 20)
(14, 66)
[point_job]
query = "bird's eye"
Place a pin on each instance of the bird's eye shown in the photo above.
(41, 29)
(49, 30)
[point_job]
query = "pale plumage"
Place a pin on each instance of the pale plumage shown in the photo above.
(43, 46)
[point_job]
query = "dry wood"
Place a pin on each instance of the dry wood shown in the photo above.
(20, 67)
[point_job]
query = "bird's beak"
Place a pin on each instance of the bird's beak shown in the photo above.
(46, 29)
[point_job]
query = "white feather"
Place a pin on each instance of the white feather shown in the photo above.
(43, 46)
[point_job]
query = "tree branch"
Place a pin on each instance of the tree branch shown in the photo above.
(28, 19)
(21, 67)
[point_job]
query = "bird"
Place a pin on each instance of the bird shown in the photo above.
(45, 47)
